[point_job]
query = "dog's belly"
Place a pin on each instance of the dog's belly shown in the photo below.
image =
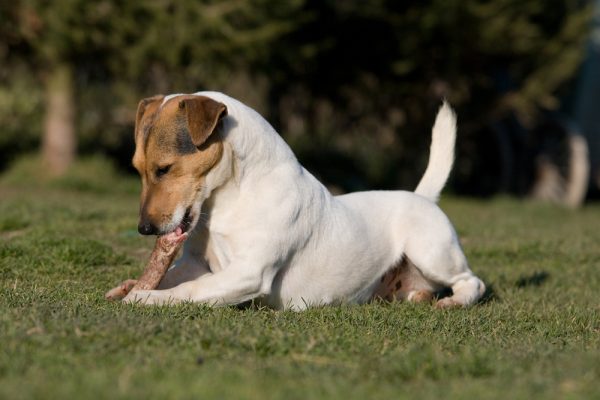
(294, 291)
(218, 253)
(299, 292)
(346, 273)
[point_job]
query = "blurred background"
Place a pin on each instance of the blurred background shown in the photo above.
(352, 86)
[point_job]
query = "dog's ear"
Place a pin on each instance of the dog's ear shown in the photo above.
(203, 115)
(148, 105)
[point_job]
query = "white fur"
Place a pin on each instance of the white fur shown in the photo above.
(441, 154)
(274, 233)
(175, 219)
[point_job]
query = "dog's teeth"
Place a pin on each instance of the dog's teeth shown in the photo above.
(178, 231)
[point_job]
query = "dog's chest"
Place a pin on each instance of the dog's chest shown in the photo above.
(218, 252)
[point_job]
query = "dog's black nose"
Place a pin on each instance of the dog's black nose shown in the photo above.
(146, 228)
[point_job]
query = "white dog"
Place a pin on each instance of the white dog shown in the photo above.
(262, 227)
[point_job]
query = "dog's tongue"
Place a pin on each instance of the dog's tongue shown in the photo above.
(175, 237)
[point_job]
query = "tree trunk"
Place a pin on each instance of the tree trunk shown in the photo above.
(59, 142)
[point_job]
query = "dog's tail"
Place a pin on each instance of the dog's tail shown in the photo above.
(441, 154)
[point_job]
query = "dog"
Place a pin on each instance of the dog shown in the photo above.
(258, 226)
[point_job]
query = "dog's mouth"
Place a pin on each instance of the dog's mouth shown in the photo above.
(186, 222)
(181, 232)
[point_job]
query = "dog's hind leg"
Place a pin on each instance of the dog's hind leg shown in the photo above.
(465, 291)
(466, 288)
(452, 270)
(441, 260)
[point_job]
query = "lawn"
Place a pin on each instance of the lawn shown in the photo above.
(63, 244)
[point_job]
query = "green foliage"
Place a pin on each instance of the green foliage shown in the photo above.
(378, 71)
(535, 335)
(20, 110)
(356, 82)
(30, 171)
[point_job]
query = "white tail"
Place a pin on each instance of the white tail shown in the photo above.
(441, 154)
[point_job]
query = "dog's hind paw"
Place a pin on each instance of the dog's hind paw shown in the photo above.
(420, 296)
(448, 302)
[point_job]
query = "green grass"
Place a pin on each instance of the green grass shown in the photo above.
(64, 243)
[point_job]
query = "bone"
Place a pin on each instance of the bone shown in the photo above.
(165, 250)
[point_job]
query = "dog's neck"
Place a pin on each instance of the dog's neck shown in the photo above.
(223, 174)
(254, 142)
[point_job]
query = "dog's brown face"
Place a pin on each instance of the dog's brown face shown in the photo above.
(175, 147)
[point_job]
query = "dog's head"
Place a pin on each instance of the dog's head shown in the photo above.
(176, 145)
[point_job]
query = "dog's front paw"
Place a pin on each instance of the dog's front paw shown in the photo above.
(135, 297)
(121, 291)
(149, 297)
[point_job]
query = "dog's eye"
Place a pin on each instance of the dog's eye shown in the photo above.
(162, 170)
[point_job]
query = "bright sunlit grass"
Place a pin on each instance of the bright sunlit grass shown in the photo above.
(62, 245)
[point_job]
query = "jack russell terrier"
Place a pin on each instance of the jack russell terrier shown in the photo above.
(258, 226)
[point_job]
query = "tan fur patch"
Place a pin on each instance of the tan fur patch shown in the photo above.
(400, 281)
(422, 296)
(172, 168)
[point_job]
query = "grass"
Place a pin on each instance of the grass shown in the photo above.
(64, 243)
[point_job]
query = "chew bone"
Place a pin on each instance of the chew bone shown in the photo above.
(161, 258)
(165, 250)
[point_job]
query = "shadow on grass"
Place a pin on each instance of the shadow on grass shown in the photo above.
(489, 295)
(536, 279)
